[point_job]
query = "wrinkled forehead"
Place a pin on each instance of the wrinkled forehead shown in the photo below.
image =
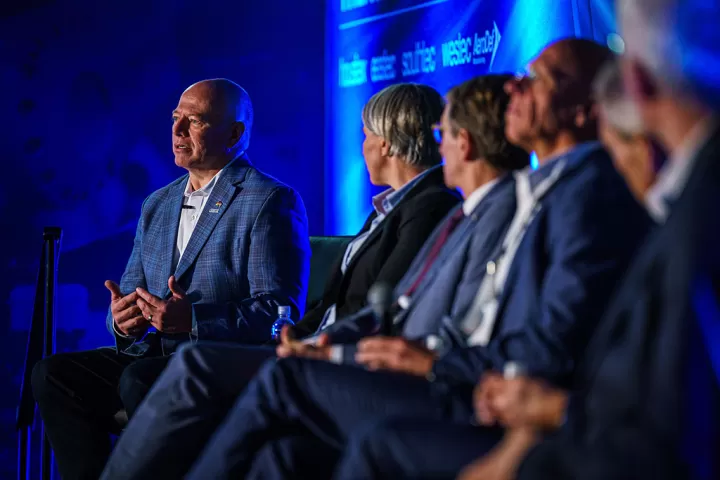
(201, 100)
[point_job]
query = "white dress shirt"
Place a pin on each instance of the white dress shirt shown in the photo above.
(193, 203)
(189, 217)
(530, 188)
(674, 173)
(473, 200)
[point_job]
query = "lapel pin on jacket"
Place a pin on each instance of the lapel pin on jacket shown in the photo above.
(218, 204)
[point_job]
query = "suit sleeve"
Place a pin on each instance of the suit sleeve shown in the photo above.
(594, 234)
(278, 272)
(132, 278)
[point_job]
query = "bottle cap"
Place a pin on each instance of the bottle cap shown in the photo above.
(284, 310)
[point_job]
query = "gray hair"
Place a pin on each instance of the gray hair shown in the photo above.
(676, 40)
(404, 115)
(620, 111)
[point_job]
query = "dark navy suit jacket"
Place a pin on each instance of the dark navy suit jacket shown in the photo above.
(567, 266)
(648, 403)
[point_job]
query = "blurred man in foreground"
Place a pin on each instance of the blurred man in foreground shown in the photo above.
(648, 397)
(636, 156)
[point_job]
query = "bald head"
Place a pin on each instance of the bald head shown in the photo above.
(211, 124)
(576, 62)
(225, 97)
(551, 108)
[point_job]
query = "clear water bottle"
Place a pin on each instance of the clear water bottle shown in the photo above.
(282, 320)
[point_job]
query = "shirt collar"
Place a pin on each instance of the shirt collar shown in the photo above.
(385, 201)
(474, 199)
(206, 190)
(673, 175)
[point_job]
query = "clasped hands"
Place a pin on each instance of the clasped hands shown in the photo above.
(525, 407)
(135, 312)
(375, 353)
(520, 402)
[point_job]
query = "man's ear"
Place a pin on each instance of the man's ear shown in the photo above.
(238, 129)
(465, 144)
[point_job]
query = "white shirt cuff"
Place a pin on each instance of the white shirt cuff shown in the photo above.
(336, 354)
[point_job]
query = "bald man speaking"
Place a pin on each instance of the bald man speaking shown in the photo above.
(215, 253)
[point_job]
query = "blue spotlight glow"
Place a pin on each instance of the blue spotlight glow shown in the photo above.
(373, 43)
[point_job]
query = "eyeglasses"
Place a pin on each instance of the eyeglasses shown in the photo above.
(525, 77)
(526, 73)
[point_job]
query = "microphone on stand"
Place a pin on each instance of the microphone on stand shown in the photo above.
(380, 299)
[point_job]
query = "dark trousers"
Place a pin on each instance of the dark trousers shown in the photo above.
(320, 401)
(78, 395)
(414, 449)
(186, 405)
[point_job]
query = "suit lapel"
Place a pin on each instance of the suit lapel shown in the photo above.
(225, 190)
(461, 235)
(171, 217)
(434, 177)
(465, 230)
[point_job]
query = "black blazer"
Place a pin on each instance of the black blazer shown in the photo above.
(388, 252)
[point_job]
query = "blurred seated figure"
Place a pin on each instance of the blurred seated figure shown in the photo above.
(636, 156)
(542, 294)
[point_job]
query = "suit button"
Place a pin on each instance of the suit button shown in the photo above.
(404, 302)
(490, 268)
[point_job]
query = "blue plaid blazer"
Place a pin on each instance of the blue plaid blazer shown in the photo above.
(249, 253)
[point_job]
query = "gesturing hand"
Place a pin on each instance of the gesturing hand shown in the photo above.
(173, 315)
(395, 353)
(125, 313)
(289, 347)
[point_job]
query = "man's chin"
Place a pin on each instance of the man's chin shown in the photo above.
(184, 161)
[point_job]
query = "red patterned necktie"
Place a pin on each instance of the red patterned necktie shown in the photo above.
(450, 226)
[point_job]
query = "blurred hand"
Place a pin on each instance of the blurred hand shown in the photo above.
(519, 402)
(501, 462)
(173, 315)
(126, 314)
(289, 347)
(395, 353)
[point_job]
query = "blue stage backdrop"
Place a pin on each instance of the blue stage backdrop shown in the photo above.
(374, 43)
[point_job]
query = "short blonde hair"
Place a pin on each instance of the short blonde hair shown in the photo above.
(404, 115)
